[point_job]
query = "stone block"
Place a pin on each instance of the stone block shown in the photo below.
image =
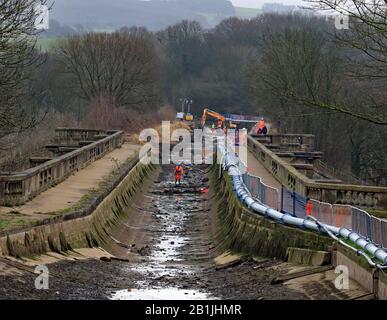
(308, 256)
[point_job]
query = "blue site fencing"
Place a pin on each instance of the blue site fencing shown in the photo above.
(339, 215)
(242, 118)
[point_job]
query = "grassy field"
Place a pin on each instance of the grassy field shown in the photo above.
(247, 12)
(48, 44)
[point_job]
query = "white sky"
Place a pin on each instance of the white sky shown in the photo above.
(259, 3)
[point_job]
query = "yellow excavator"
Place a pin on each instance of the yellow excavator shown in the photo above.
(221, 119)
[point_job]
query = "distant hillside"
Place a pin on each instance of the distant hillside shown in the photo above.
(154, 14)
(247, 12)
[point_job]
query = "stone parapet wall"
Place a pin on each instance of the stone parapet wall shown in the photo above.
(90, 227)
(291, 178)
(245, 231)
(17, 188)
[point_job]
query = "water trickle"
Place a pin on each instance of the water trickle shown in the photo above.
(167, 258)
(160, 294)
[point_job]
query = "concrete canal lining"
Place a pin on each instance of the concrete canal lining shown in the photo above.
(88, 228)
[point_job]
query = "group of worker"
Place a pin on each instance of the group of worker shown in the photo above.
(262, 129)
(179, 171)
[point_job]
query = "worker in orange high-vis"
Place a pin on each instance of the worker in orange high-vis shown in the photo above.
(308, 207)
(178, 173)
(262, 127)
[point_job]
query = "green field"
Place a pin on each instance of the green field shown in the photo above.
(48, 44)
(247, 12)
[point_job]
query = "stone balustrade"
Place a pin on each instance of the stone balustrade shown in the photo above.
(285, 173)
(74, 135)
(17, 188)
(290, 142)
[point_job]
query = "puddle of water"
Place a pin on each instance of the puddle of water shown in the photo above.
(168, 247)
(160, 294)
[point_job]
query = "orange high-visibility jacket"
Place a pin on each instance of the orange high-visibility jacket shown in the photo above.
(261, 124)
(308, 208)
(178, 172)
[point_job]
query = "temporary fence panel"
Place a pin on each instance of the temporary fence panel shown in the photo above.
(326, 213)
(322, 211)
(376, 230)
(287, 201)
(384, 233)
(299, 206)
(250, 183)
(264, 193)
(338, 215)
(270, 196)
(293, 203)
(247, 180)
(261, 191)
(361, 222)
(342, 216)
(315, 208)
(253, 185)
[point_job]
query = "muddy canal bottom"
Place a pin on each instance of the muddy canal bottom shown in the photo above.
(180, 245)
(166, 251)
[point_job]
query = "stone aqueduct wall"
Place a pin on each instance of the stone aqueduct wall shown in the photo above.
(245, 231)
(89, 228)
(373, 279)
(335, 193)
(17, 188)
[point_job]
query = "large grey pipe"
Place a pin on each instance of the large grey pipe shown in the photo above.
(232, 165)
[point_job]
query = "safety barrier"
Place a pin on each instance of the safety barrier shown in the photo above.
(242, 118)
(293, 203)
(264, 193)
(322, 211)
(367, 247)
(352, 218)
(342, 216)
(337, 215)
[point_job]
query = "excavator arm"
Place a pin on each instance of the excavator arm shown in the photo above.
(208, 112)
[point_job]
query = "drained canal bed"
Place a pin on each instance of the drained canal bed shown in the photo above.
(173, 252)
(167, 244)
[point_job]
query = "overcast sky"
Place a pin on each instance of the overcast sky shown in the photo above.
(259, 3)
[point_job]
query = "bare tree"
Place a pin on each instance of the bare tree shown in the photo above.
(296, 65)
(17, 60)
(122, 66)
(367, 64)
(304, 79)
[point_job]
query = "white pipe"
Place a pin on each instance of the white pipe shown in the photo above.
(231, 164)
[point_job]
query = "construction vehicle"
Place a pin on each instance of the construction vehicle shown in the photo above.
(185, 116)
(207, 112)
(188, 117)
(181, 116)
(231, 121)
(222, 120)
